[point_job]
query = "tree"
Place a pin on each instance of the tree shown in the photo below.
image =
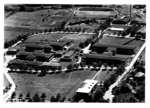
(70, 67)
(36, 98)
(100, 63)
(127, 97)
(20, 96)
(58, 97)
(120, 69)
(13, 95)
(28, 97)
(95, 64)
(63, 99)
(43, 96)
(52, 99)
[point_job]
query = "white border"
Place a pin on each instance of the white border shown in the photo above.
(53, 105)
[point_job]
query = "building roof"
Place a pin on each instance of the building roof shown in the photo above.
(24, 62)
(35, 53)
(87, 86)
(105, 57)
(120, 27)
(23, 53)
(109, 40)
(68, 54)
(45, 44)
(51, 64)
(114, 46)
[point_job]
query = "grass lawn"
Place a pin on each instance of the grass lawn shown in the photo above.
(49, 37)
(64, 83)
(104, 75)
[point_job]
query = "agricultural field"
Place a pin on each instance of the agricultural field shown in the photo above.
(40, 19)
(12, 33)
(31, 22)
(64, 83)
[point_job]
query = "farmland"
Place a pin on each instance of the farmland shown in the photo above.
(32, 22)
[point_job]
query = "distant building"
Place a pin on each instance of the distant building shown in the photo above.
(119, 49)
(69, 56)
(117, 30)
(86, 90)
(11, 51)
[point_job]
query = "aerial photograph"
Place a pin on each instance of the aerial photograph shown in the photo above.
(74, 53)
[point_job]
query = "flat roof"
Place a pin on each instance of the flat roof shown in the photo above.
(87, 86)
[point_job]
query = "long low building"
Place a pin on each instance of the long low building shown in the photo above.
(50, 45)
(23, 64)
(39, 56)
(90, 58)
(120, 49)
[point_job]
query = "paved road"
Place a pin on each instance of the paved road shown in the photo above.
(108, 94)
(7, 60)
(13, 87)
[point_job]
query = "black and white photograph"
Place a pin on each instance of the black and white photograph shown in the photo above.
(74, 53)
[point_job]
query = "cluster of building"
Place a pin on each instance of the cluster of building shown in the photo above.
(47, 54)
(116, 45)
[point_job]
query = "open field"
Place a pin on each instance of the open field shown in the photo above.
(40, 19)
(64, 83)
(49, 37)
(12, 33)
(30, 22)
(104, 75)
